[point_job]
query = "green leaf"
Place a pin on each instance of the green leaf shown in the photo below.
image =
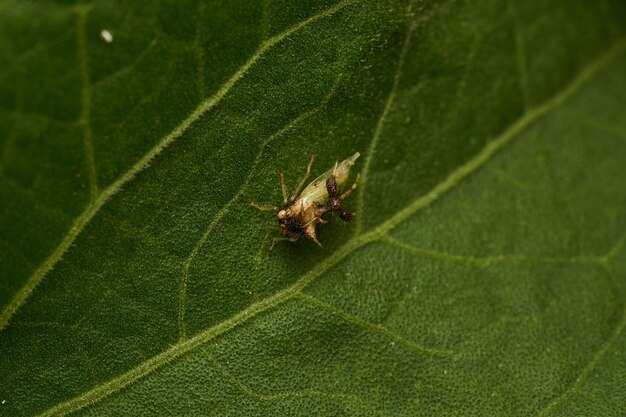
(485, 270)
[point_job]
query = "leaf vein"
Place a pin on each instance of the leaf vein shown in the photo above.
(381, 122)
(182, 296)
(600, 125)
(612, 253)
(376, 328)
(309, 393)
(470, 60)
(12, 131)
(93, 207)
(119, 72)
(485, 262)
(85, 102)
(587, 370)
(99, 392)
(200, 55)
(505, 137)
(520, 54)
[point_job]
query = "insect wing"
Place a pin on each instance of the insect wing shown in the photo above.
(316, 190)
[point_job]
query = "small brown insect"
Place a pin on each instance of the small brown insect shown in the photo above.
(301, 215)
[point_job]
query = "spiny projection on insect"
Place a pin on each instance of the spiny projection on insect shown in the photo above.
(302, 213)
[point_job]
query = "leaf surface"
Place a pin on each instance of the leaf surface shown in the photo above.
(485, 270)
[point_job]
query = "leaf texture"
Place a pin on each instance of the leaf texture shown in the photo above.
(485, 270)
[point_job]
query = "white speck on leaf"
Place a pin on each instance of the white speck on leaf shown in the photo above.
(106, 36)
(4, 401)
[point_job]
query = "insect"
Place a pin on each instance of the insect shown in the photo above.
(302, 213)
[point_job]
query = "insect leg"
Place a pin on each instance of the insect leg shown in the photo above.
(278, 239)
(262, 208)
(331, 186)
(336, 203)
(347, 193)
(302, 180)
(346, 216)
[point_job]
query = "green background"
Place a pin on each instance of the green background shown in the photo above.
(484, 273)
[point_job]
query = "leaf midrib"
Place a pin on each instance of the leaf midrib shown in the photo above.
(96, 203)
(358, 241)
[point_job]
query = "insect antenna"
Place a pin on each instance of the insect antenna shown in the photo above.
(277, 239)
(283, 187)
(302, 180)
(351, 189)
(263, 208)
